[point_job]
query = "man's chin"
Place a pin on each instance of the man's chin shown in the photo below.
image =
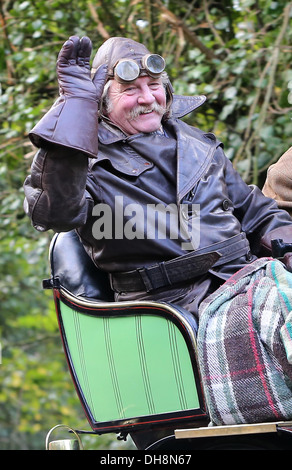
(148, 122)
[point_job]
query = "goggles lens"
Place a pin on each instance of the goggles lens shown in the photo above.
(154, 64)
(128, 70)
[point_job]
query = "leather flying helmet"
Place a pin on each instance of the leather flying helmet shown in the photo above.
(127, 60)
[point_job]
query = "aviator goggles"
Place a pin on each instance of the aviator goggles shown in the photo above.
(128, 70)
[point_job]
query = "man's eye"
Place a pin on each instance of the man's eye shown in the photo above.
(129, 89)
(154, 85)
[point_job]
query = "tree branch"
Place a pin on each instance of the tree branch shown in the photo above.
(270, 67)
(172, 19)
(99, 26)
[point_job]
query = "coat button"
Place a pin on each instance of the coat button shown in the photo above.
(248, 256)
(225, 205)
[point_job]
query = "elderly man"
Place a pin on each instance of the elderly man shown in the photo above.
(155, 202)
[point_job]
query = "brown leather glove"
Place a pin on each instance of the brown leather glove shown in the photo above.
(73, 119)
(280, 233)
(73, 70)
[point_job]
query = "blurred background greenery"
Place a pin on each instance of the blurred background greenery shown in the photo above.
(236, 52)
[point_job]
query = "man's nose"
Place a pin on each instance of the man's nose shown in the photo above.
(146, 96)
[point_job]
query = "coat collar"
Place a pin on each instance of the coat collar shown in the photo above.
(183, 105)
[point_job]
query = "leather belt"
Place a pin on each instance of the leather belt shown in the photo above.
(180, 269)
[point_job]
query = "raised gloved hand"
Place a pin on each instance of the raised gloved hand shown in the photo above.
(73, 70)
(73, 119)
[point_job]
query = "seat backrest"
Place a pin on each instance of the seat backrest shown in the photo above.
(73, 269)
(133, 363)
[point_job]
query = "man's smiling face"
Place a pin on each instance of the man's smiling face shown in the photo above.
(137, 106)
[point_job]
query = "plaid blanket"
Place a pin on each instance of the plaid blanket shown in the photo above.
(244, 346)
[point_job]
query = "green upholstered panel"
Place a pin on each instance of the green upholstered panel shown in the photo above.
(131, 365)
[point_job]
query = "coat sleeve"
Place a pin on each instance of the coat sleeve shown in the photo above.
(278, 184)
(258, 214)
(71, 123)
(55, 191)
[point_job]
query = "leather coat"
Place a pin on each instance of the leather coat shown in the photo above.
(65, 186)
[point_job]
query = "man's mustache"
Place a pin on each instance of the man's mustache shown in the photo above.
(155, 107)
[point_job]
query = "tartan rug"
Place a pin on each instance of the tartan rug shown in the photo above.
(244, 345)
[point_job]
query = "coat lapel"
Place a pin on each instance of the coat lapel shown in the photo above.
(195, 151)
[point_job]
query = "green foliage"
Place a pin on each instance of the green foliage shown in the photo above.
(237, 53)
